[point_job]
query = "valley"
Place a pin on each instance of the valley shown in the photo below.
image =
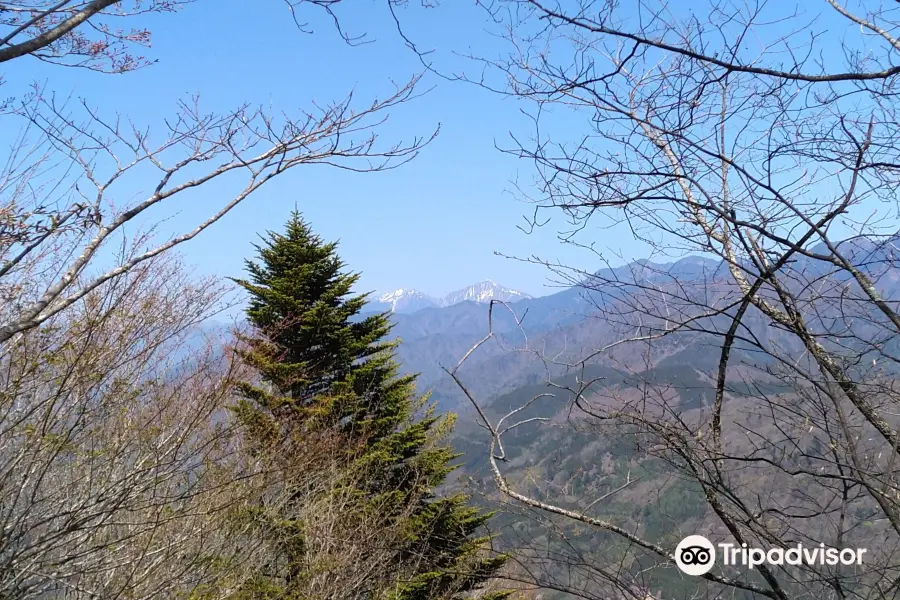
(622, 437)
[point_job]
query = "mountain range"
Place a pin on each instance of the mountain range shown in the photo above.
(566, 322)
(554, 450)
(407, 301)
(436, 337)
(437, 332)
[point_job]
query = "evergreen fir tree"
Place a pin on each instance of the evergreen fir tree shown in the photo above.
(324, 366)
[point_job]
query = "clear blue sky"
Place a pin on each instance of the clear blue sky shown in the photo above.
(432, 225)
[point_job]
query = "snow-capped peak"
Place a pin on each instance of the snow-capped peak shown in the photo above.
(483, 291)
(392, 296)
(408, 300)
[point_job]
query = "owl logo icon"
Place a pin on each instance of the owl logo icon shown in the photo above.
(695, 555)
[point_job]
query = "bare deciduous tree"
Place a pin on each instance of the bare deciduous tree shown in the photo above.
(114, 444)
(77, 32)
(59, 216)
(764, 136)
(89, 33)
(68, 160)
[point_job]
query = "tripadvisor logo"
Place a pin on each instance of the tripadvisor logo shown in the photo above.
(696, 555)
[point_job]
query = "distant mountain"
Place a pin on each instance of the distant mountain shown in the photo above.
(405, 301)
(483, 291)
(436, 332)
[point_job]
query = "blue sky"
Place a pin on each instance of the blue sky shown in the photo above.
(432, 225)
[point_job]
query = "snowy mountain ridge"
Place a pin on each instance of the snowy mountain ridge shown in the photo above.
(407, 300)
(483, 291)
